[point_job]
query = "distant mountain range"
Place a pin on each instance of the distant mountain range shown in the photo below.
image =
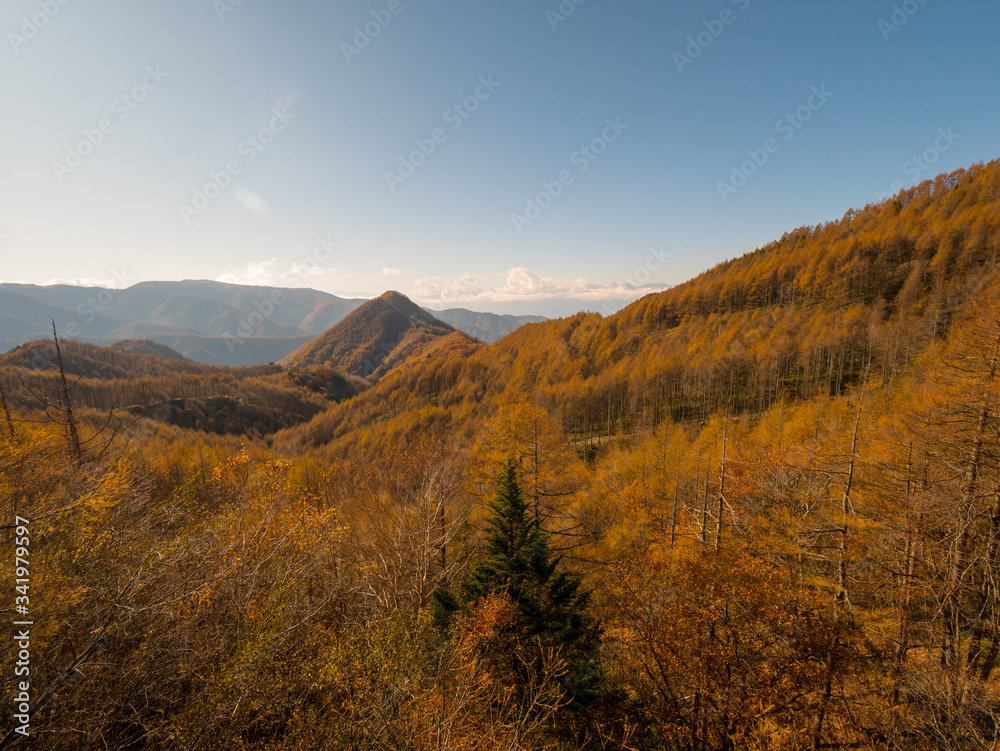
(208, 322)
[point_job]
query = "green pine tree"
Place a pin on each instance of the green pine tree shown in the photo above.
(551, 605)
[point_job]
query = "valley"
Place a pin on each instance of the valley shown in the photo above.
(758, 510)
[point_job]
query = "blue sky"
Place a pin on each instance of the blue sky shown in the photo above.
(463, 155)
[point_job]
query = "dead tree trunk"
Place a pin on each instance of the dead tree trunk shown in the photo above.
(72, 433)
(6, 412)
(950, 608)
(722, 486)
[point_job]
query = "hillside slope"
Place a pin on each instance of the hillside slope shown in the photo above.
(372, 338)
(804, 316)
(149, 380)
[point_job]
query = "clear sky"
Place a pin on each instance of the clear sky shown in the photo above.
(410, 135)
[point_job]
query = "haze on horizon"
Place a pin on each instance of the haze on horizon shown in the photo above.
(541, 159)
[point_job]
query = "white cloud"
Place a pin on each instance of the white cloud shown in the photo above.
(271, 273)
(298, 272)
(447, 288)
(386, 271)
(87, 281)
(524, 285)
(261, 273)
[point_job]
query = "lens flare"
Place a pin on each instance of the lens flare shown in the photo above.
(253, 202)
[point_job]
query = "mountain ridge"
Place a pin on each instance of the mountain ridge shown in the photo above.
(210, 322)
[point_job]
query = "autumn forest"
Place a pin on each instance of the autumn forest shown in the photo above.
(759, 511)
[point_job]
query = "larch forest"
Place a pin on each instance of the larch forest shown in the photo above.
(759, 511)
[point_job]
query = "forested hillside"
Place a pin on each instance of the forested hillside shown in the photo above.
(800, 318)
(374, 338)
(114, 384)
(759, 511)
